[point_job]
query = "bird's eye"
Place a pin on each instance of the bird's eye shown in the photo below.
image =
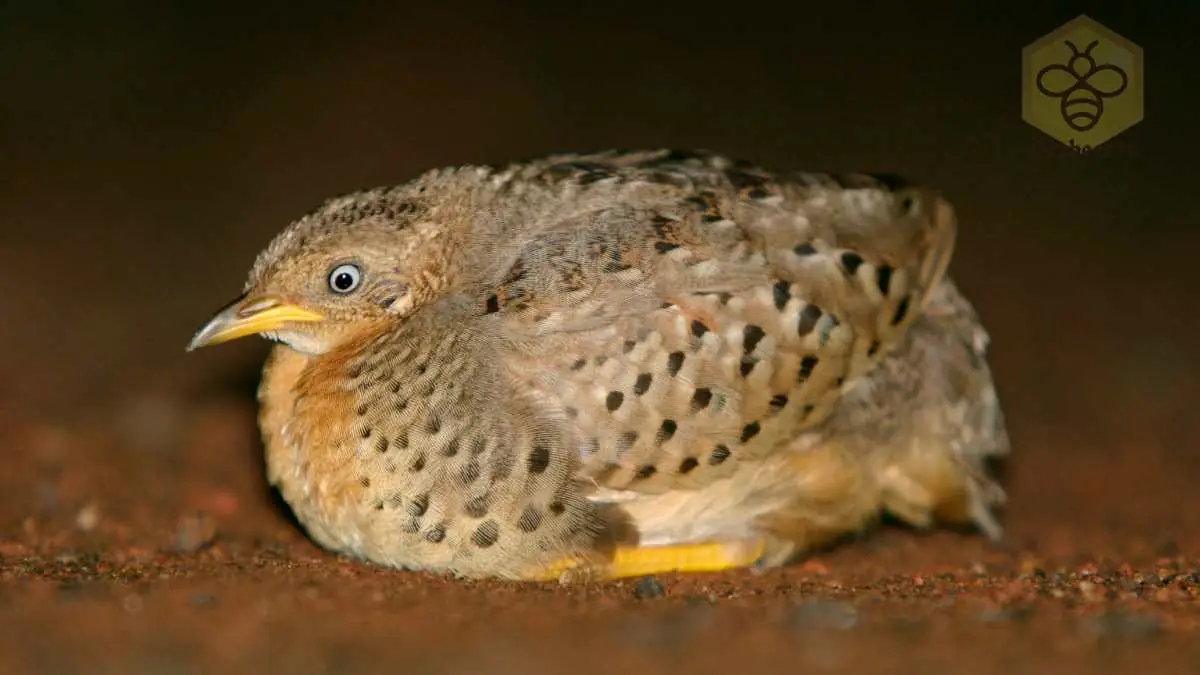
(344, 278)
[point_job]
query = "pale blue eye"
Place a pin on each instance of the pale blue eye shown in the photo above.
(344, 278)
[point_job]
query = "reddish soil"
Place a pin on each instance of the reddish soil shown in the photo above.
(155, 153)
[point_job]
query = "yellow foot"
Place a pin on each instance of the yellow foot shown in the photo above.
(633, 561)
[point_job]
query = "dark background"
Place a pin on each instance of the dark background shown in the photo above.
(149, 150)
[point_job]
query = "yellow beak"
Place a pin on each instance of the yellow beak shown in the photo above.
(249, 316)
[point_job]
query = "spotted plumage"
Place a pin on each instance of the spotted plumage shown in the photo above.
(575, 356)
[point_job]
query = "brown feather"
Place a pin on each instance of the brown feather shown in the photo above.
(656, 347)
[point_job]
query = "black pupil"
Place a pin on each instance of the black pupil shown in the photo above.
(343, 281)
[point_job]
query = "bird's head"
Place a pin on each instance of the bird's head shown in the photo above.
(356, 263)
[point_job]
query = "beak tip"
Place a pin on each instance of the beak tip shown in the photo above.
(247, 317)
(198, 340)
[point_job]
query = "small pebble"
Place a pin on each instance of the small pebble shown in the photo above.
(88, 517)
(648, 587)
(195, 532)
(814, 567)
(1090, 591)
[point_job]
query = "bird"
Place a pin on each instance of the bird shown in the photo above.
(600, 365)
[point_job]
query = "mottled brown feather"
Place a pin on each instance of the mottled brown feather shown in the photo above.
(624, 347)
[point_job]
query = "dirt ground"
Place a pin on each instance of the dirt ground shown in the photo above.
(158, 152)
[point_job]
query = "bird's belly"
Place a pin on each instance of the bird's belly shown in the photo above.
(812, 489)
(725, 510)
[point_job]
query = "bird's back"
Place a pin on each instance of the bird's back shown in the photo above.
(682, 313)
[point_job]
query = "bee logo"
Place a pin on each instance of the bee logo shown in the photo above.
(1082, 85)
